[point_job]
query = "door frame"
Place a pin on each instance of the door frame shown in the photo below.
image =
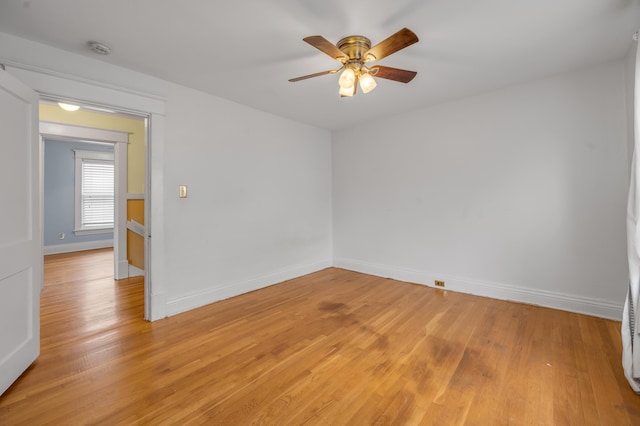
(119, 140)
(48, 83)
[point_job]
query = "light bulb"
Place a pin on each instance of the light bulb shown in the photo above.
(367, 83)
(347, 78)
(68, 107)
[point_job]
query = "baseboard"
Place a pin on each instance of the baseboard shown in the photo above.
(225, 291)
(566, 302)
(71, 247)
(135, 272)
(122, 269)
(158, 308)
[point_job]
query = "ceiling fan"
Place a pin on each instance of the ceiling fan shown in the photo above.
(356, 51)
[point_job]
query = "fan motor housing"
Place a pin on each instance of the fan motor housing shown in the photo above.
(354, 46)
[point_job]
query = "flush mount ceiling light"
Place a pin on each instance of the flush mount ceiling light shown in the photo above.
(356, 51)
(99, 48)
(68, 107)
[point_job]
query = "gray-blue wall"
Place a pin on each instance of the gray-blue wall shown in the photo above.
(59, 181)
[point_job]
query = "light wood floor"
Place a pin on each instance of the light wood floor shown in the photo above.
(334, 347)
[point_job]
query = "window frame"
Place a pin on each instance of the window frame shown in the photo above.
(79, 156)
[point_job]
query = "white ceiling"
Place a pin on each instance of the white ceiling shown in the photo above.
(246, 50)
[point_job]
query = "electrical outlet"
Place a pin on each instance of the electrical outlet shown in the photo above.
(439, 283)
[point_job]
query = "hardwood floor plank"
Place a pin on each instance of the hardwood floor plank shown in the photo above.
(331, 348)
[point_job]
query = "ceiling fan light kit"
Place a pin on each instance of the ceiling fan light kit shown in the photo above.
(354, 52)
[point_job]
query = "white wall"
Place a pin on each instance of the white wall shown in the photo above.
(517, 194)
(259, 205)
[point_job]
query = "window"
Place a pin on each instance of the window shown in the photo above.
(94, 192)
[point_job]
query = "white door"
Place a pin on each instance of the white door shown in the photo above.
(20, 229)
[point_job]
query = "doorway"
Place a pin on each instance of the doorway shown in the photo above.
(22, 266)
(151, 104)
(123, 133)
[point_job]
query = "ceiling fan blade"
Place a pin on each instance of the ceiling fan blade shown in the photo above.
(327, 47)
(318, 74)
(395, 74)
(403, 38)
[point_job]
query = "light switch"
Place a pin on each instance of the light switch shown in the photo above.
(182, 191)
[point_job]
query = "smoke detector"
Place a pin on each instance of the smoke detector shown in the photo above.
(99, 48)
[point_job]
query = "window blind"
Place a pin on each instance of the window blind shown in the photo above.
(97, 194)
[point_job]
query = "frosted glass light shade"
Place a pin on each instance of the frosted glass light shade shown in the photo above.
(367, 83)
(347, 91)
(347, 78)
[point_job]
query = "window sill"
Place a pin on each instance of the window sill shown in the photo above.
(93, 231)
